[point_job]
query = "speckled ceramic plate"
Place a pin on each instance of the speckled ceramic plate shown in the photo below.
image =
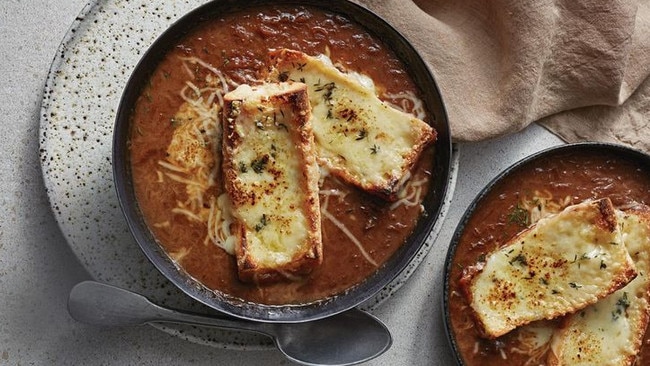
(81, 95)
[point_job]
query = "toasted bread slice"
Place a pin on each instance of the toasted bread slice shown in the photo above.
(560, 265)
(359, 138)
(271, 176)
(610, 332)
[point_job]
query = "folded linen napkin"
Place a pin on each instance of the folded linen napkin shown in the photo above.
(578, 67)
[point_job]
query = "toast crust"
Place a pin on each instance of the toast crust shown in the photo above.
(271, 177)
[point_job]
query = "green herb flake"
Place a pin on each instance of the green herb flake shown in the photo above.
(621, 306)
(262, 223)
(519, 259)
(583, 257)
(226, 59)
(362, 134)
(623, 302)
(259, 164)
(519, 216)
(543, 281)
(327, 90)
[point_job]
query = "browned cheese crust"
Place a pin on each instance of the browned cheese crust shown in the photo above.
(283, 176)
(587, 345)
(359, 138)
(546, 282)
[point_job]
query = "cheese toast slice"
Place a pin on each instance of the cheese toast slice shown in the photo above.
(610, 332)
(271, 176)
(560, 265)
(359, 138)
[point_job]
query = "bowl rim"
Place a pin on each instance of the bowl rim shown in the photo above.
(294, 312)
(613, 148)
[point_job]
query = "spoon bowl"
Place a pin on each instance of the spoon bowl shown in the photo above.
(347, 338)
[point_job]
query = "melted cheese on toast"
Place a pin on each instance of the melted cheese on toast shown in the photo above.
(560, 265)
(610, 332)
(271, 177)
(359, 138)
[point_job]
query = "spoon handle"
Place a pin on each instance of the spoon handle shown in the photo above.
(345, 339)
(102, 304)
(167, 315)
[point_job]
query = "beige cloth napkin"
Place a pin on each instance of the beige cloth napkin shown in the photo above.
(579, 67)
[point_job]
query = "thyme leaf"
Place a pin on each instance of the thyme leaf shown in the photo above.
(327, 90)
(519, 216)
(260, 225)
(519, 259)
(259, 164)
(621, 306)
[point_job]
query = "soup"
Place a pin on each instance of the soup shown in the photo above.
(360, 232)
(542, 186)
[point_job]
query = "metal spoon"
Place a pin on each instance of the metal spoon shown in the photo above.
(344, 339)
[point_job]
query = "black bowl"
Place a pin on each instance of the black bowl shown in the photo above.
(625, 153)
(289, 313)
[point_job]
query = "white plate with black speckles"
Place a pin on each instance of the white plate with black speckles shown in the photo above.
(82, 92)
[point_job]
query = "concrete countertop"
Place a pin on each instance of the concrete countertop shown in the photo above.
(38, 269)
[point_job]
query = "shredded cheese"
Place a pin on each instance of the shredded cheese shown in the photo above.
(411, 194)
(534, 342)
(408, 103)
(193, 154)
(345, 231)
(543, 204)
